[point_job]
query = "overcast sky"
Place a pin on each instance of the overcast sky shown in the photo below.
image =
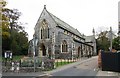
(119, 11)
(81, 14)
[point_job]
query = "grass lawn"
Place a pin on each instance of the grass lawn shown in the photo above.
(58, 64)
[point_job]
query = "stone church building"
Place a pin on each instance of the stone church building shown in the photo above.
(53, 38)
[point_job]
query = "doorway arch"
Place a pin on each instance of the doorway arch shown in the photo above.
(42, 47)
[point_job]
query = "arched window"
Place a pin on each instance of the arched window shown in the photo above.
(44, 29)
(48, 33)
(64, 46)
(41, 33)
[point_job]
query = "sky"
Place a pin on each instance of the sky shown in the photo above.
(83, 15)
(119, 11)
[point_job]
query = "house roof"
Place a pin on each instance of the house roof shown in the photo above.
(89, 38)
(64, 25)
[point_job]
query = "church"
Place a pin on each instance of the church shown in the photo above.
(55, 39)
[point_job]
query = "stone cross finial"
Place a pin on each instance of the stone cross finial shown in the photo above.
(44, 6)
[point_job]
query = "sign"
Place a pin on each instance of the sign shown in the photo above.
(8, 54)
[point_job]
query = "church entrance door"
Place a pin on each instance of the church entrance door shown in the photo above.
(43, 49)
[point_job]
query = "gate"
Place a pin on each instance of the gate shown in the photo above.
(110, 61)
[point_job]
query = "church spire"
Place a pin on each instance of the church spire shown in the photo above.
(94, 42)
(93, 31)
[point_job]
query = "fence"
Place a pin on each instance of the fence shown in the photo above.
(110, 61)
(39, 63)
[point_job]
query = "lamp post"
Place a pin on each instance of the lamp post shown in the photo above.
(94, 42)
(34, 52)
(110, 39)
(72, 50)
(53, 46)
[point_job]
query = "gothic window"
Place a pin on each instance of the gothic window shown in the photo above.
(41, 33)
(48, 33)
(44, 30)
(64, 46)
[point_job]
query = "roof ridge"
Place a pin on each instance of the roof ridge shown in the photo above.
(51, 16)
(62, 21)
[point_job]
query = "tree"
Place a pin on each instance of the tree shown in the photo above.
(13, 16)
(116, 43)
(14, 37)
(5, 30)
(103, 41)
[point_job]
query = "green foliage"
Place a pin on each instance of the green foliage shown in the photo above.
(102, 41)
(18, 58)
(116, 43)
(58, 64)
(15, 58)
(14, 37)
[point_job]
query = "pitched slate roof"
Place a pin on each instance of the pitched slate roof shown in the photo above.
(89, 38)
(64, 25)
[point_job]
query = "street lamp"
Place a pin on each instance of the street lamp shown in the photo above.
(110, 38)
(53, 46)
(72, 50)
(34, 51)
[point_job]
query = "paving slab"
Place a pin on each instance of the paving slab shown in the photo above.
(107, 73)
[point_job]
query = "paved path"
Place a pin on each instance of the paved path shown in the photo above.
(108, 73)
(84, 67)
(82, 60)
(80, 68)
